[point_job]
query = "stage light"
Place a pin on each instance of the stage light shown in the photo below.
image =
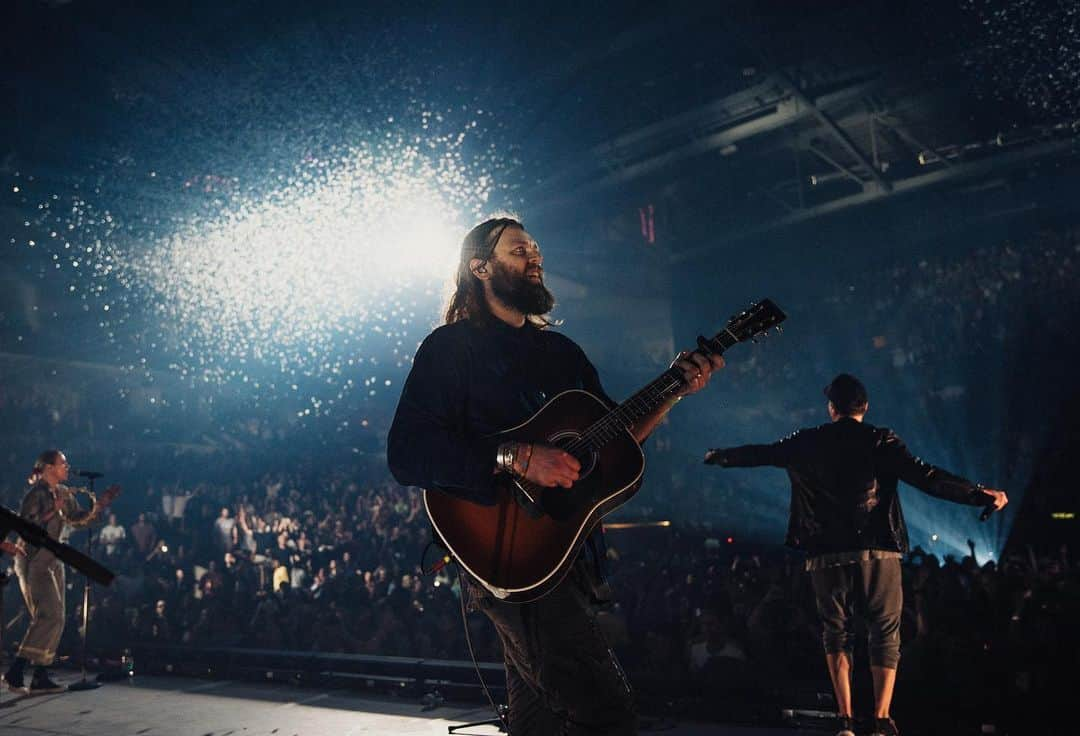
(289, 279)
(275, 271)
(353, 246)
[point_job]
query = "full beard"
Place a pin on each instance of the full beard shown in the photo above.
(519, 292)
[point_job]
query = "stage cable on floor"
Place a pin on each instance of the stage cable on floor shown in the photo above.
(503, 719)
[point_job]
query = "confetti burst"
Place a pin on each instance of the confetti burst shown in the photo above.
(1028, 50)
(334, 268)
(325, 253)
(298, 279)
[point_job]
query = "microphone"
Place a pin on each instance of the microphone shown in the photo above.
(91, 474)
(987, 510)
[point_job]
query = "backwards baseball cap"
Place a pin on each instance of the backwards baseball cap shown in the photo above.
(847, 394)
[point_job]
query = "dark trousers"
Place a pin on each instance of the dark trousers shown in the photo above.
(871, 590)
(561, 675)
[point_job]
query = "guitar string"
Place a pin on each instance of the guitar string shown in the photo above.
(644, 400)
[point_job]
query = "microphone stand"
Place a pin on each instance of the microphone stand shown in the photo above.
(85, 684)
(501, 711)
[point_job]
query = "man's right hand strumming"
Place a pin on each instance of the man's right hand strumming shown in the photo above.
(550, 467)
(543, 465)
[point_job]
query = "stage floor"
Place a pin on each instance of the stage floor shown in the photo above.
(174, 706)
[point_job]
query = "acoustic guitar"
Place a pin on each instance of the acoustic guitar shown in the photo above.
(521, 547)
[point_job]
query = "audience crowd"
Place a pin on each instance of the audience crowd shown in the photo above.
(336, 558)
(697, 618)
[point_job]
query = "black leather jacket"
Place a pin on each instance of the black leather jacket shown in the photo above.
(843, 485)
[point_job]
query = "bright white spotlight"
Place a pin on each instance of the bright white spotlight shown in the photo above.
(341, 248)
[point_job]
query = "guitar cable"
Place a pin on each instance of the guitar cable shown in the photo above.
(445, 560)
(503, 719)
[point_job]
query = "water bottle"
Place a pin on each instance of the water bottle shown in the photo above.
(127, 663)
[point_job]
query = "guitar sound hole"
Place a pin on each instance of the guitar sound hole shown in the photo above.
(562, 503)
(587, 457)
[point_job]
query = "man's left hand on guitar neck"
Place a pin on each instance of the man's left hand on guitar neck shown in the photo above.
(696, 370)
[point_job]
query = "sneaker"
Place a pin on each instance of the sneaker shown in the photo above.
(845, 726)
(14, 681)
(42, 684)
(884, 727)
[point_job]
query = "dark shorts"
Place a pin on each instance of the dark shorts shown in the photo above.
(871, 590)
(561, 675)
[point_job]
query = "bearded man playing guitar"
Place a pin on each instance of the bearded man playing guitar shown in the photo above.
(492, 365)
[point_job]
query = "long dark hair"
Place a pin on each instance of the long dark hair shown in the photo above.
(467, 301)
(49, 457)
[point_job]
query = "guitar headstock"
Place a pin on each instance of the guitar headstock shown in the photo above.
(753, 322)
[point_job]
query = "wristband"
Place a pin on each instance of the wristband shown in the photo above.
(506, 457)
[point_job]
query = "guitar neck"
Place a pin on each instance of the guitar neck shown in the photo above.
(647, 400)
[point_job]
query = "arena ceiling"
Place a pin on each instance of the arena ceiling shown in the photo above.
(734, 118)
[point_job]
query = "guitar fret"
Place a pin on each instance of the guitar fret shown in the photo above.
(623, 416)
(655, 393)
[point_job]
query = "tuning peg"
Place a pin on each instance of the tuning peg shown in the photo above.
(779, 330)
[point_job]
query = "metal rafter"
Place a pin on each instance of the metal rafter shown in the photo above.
(764, 108)
(970, 170)
(835, 129)
(911, 139)
(836, 165)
